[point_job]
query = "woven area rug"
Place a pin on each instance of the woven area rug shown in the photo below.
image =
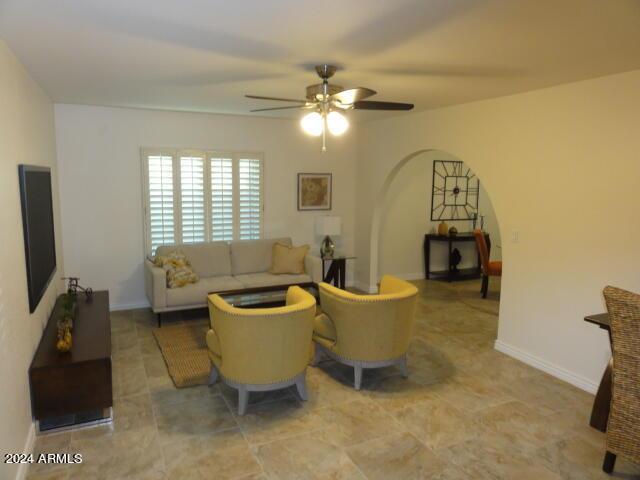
(185, 352)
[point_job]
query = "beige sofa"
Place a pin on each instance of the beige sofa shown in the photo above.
(221, 266)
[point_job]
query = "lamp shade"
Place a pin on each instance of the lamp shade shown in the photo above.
(328, 225)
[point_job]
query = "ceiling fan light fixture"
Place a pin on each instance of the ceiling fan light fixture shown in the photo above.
(313, 124)
(337, 123)
(327, 102)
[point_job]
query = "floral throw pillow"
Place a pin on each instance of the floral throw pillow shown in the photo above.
(178, 269)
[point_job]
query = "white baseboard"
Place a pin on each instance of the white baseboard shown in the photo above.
(547, 367)
(129, 306)
(23, 468)
(409, 276)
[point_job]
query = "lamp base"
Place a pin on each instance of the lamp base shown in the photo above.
(327, 248)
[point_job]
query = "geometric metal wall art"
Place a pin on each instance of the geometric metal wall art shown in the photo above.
(455, 191)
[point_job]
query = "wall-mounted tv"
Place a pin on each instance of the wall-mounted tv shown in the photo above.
(37, 223)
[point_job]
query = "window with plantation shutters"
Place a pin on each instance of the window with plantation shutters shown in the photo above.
(249, 198)
(192, 209)
(198, 196)
(222, 224)
(160, 207)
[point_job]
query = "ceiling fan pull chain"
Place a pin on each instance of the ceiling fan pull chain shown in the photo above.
(324, 134)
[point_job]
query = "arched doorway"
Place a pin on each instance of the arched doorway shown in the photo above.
(397, 235)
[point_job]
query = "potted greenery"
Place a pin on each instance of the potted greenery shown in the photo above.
(65, 321)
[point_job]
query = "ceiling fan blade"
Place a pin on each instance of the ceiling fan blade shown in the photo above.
(258, 97)
(276, 108)
(371, 105)
(352, 95)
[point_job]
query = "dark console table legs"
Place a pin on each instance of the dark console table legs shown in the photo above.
(451, 273)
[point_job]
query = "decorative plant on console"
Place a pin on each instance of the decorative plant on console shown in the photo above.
(65, 321)
(68, 307)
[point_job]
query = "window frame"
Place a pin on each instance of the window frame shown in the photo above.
(207, 154)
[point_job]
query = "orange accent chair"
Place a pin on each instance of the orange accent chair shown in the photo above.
(489, 268)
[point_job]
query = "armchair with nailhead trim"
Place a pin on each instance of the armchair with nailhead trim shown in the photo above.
(261, 349)
(366, 331)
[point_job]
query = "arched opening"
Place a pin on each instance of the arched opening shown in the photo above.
(402, 217)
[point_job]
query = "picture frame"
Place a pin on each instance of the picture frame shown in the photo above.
(314, 191)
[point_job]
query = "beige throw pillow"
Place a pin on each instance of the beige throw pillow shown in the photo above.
(286, 259)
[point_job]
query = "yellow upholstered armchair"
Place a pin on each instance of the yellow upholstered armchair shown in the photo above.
(260, 349)
(366, 331)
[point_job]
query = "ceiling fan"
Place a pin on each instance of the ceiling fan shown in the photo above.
(327, 102)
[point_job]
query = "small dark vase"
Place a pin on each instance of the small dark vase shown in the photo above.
(453, 231)
(456, 258)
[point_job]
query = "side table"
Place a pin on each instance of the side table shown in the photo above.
(336, 270)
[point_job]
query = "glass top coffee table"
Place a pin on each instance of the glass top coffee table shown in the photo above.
(273, 296)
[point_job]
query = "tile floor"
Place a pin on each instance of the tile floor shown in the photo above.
(465, 412)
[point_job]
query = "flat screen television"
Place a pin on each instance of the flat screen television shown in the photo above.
(37, 223)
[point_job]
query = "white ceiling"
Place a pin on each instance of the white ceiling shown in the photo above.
(204, 55)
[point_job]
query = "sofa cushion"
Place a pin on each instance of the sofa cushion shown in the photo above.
(288, 259)
(251, 256)
(265, 279)
(196, 293)
(210, 259)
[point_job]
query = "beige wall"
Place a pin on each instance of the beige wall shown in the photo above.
(405, 217)
(562, 167)
(26, 136)
(99, 158)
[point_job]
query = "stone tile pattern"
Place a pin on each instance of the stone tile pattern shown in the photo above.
(465, 412)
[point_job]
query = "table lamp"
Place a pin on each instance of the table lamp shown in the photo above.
(328, 226)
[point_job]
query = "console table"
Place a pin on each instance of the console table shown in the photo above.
(74, 388)
(452, 274)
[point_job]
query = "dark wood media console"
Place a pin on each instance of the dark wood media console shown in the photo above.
(74, 387)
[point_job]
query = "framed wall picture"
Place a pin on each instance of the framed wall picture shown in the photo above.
(314, 191)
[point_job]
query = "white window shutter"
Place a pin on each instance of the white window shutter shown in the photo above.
(192, 207)
(249, 211)
(221, 199)
(160, 208)
(197, 196)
